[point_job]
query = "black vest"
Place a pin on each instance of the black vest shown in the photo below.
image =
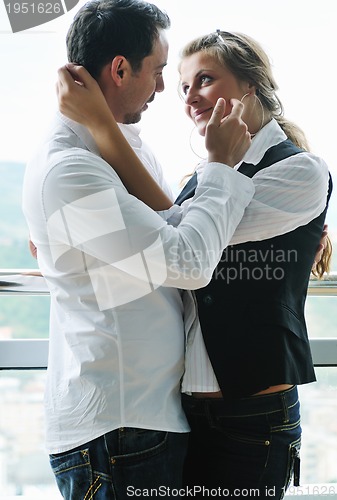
(252, 312)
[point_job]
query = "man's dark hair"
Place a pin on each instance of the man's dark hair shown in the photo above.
(103, 29)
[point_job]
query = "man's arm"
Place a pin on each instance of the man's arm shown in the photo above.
(116, 233)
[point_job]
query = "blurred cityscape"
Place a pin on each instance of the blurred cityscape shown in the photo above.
(24, 465)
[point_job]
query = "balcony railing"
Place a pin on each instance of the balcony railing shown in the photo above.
(33, 353)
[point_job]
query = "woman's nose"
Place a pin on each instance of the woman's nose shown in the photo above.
(191, 97)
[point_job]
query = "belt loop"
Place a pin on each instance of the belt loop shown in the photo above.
(284, 408)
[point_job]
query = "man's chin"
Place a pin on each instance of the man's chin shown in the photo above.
(132, 118)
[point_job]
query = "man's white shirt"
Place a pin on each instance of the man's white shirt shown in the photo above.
(115, 269)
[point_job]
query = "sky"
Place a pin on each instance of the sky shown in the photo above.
(298, 35)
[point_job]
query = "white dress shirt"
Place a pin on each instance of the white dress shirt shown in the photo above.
(114, 267)
(288, 194)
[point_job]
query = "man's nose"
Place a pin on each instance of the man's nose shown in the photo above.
(160, 85)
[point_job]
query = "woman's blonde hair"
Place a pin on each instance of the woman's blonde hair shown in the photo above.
(248, 62)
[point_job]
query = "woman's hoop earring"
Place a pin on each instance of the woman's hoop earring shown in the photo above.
(259, 101)
(191, 146)
(242, 98)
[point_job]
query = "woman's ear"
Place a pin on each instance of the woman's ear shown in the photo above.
(252, 88)
(119, 70)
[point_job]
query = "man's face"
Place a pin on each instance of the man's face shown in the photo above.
(143, 85)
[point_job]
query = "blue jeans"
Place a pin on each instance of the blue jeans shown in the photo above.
(121, 465)
(248, 444)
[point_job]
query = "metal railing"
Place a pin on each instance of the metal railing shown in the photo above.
(324, 287)
(33, 353)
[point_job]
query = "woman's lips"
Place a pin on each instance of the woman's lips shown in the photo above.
(197, 115)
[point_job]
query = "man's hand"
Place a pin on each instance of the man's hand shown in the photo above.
(227, 139)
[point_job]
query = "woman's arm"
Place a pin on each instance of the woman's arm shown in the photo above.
(80, 98)
(75, 88)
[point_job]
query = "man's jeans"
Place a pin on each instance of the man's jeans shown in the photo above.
(121, 465)
(248, 448)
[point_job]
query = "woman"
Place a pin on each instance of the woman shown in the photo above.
(241, 391)
(259, 351)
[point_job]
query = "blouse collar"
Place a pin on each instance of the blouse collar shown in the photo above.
(270, 135)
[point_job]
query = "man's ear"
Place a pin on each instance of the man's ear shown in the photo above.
(120, 69)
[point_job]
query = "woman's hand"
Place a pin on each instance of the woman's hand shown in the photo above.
(81, 99)
(321, 263)
(32, 249)
(322, 245)
(227, 139)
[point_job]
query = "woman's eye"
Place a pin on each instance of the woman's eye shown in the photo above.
(205, 79)
(202, 80)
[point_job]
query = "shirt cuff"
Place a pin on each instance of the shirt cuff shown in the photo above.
(172, 215)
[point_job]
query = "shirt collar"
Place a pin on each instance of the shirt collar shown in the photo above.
(131, 133)
(80, 131)
(270, 135)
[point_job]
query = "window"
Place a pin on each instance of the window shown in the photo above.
(300, 39)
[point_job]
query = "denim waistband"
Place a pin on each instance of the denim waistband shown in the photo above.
(253, 405)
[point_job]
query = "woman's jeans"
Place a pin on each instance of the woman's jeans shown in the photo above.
(122, 464)
(246, 448)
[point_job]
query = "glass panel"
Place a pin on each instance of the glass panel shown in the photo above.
(14, 251)
(320, 313)
(24, 317)
(26, 110)
(319, 424)
(24, 464)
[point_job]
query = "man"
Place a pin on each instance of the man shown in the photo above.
(114, 423)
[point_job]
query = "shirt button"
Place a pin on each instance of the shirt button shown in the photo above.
(208, 300)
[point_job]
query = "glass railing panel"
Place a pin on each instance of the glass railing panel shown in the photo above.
(24, 465)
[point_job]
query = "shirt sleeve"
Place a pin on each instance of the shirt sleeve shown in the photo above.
(88, 210)
(288, 194)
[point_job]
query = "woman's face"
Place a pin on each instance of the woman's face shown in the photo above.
(203, 81)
